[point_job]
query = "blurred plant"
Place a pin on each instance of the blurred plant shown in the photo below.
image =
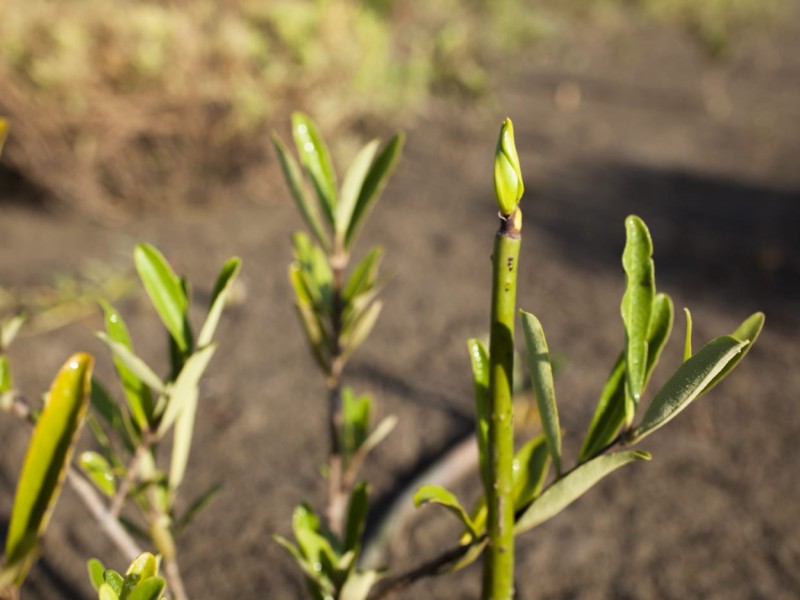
(141, 580)
(337, 312)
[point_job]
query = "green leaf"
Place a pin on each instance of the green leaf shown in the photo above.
(351, 187)
(542, 376)
(183, 392)
(749, 331)
(309, 212)
(183, 404)
(381, 431)
(374, 183)
(95, 569)
(114, 580)
(194, 509)
(314, 156)
(690, 381)
(357, 333)
(356, 418)
(508, 184)
(99, 471)
(356, 518)
(364, 275)
(140, 399)
(9, 330)
(166, 292)
(106, 592)
(47, 458)
(530, 471)
(472, 552)
(636, 308)
(6, 380)
(572, 486)
(3, 133)
(480, 379)
(134, 364)
(222, 289)
(316, 543)
(436, 494)
(149, 589)
(610, 412)
(687, 344)
(140, 573)
(358, 584)
(105, 406)
(311, 570)
(315, 272)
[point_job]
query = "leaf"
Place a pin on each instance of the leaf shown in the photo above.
(95, 569)
(356, 334)
(105, 406)
(542, 376)
(10, 328)
(356, 417)
(114, 580)
(149, 589)
(194, 509)
(311, 570)
(529, 471)
(636, 308)
(315, 272)
(314, 541)
(136, 365)
(379, 172)
(46, 460)
(140, 399)
(309, 211)
(222, 289)
(183, 392)
(144, 566)
(3, 133)
(106, 592)
(99, 471)
(471, 554)
(358, 584)
(6, 380)
(749, 330)
(690, 381)
(363, 275)
(351, 187)
(572, 486)
(480, 379)
(183, 402)
(610, 412)
(356, 517)
(166, 292)
(687, 344)
(436, 494)
(314, 156)
(381, 431)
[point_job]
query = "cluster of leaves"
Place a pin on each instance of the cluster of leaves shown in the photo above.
(647, 317)
(140, 582)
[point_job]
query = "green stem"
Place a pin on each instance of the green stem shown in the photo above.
(498, 571)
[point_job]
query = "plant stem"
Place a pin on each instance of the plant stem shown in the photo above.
(498, 572)
(131, 473)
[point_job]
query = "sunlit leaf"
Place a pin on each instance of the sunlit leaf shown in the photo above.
(106, 592)
(114, 580)
(379, 172)
(137, 392)
(135, 364)
(166, 292)
(479, 358)
(315, 542)
(149, 589)
(377, 435)
(351, 187)
(99, 471)
(95, 568)
(47, 458)
(356, 418)
(222, 289)
(749, 331)
(308, 210)
(198, 505)
(314, 156)
(9, 330)
(636, 308)
(689, 382)
(358, 332)
(356, 517)
(104, 405)
(358, 584)
(687, 344)
(530, 471)
(3, 133)
(572, 486)
(542, 376)
(436, 494)
(363, 275)
(6, 380)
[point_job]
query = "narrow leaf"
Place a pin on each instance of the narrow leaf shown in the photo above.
(166, 292)
(542, 375)
(110, 412)
(198, 505)
(377, 435)
(358, 332)
(184, 391)
(358, 584)
(356, 517)
(315, 542)
(9, 330)
(636, 308)
(436, 494)
(314, 156)
(309, 212)
(46, 460)
(572, 486)
(351, 187)
(133, 363)
(356, 418)
(530, 470)
(99, 471)
(749, 331)
(363, 275)
(137, 393)
(374, 183)
(222, 289)
(689, 382)
(480, 379)
(3, 133)
(687, 344)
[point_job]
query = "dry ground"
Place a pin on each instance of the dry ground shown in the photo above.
(707, 153)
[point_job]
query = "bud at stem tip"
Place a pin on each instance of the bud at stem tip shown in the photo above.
(508, 186)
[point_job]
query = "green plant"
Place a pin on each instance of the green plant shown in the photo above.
(140, 582)
(337, 311)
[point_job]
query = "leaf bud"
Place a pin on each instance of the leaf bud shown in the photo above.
(508, 186)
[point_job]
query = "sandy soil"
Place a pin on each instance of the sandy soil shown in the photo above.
(707, 153)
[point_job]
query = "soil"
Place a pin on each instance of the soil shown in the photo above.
(642, 121)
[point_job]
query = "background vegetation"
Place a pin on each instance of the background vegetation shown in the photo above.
(141, 103)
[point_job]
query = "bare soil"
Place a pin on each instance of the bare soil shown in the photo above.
(708, 153)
